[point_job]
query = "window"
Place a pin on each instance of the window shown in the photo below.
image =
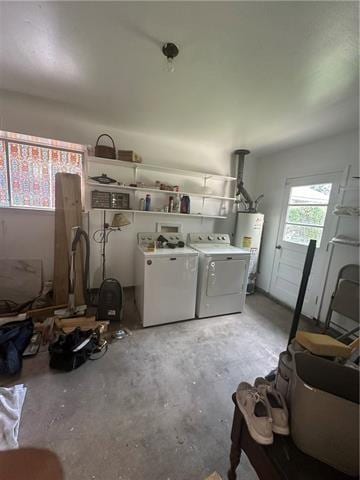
(306, 213)
(27, 173)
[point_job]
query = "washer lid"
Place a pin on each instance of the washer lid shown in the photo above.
(219, 249)
(170, 252)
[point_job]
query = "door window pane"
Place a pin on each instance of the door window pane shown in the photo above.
(310, 194)
(306, 213)
(302, 234)
(309, 215)
(4, 194)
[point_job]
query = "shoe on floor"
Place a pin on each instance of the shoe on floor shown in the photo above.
(256, 412)
(277, 405)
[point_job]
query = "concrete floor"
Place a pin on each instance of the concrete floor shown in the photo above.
(158, 405)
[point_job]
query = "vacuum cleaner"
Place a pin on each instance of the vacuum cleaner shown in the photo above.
(72, 310)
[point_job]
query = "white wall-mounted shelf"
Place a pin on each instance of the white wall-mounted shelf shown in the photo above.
(343, 240)
(152, 212)
(349, 188)
(158, 191)
(348, 215)
(159, 168)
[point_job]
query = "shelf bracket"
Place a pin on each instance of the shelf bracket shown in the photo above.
(203, 198)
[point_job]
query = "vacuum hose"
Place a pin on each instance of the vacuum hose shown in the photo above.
(78, 233)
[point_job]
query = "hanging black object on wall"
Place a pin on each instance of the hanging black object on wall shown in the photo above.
(110, 301)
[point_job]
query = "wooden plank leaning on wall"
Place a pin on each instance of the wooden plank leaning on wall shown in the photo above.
(67, 215)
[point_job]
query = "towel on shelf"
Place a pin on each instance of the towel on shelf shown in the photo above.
(346, 210)
(11, 403)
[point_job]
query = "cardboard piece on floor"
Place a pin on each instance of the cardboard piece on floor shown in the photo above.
(214, 476)
(67, 325)
(45, 312)
(67, 215)
(13, 318)
(20, 279)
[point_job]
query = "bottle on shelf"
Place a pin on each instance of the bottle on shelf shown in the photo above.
(176, 207)
(171, 204)
(142, 204)
(185, 204)
(147, 202)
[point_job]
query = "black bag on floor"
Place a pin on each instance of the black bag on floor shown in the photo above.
(72, 350)
(14, 338)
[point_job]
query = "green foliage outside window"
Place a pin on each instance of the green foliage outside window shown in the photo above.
(309, 214)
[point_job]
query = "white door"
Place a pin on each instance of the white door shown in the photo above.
(306, 214)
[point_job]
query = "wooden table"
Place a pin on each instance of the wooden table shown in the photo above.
(280, 461)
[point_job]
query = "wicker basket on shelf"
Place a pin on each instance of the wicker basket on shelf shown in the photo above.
(104, 150)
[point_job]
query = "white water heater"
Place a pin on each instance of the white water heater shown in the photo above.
(249, 227)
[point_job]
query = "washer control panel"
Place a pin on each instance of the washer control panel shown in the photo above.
(212, 238)
(150, 237)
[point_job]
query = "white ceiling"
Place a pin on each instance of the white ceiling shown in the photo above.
(260, 75)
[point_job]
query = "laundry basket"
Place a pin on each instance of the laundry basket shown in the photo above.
(325, 411)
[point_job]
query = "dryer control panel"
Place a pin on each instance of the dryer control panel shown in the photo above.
(210, 238)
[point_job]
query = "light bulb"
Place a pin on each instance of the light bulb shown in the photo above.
(170, 65)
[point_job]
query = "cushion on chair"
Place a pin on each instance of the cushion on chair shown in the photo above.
(322, 345)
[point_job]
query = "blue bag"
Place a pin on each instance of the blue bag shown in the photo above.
(14, 338)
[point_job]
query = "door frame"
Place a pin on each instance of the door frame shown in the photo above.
(340, 177)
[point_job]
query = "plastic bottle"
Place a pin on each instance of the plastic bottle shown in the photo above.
(171, 204)
(142, 204)
(147, 202)
(185, 204)
(176, 206)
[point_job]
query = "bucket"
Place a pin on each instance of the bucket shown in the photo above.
(325, 411)
(284, 374)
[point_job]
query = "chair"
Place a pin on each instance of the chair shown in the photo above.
(345, 299)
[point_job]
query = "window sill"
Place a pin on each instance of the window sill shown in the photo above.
(28, 209)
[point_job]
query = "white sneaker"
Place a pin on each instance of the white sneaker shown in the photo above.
(256, 412)
(277, 405)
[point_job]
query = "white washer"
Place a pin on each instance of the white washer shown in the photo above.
(166, 280)
(222, 276)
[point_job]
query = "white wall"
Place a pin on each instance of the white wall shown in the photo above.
(30, 234)
(327, 155)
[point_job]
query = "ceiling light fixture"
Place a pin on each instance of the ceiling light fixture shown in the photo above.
(170, 50)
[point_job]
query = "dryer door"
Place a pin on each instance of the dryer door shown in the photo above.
(226, 277)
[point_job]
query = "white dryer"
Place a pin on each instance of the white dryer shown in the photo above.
(166, 279)
(222, 276)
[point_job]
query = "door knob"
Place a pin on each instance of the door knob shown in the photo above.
(278, 247)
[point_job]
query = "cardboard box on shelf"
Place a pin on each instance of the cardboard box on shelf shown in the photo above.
(129, 156)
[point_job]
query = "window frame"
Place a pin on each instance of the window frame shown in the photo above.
(288, 205)
(45, 144)
(336, 178)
